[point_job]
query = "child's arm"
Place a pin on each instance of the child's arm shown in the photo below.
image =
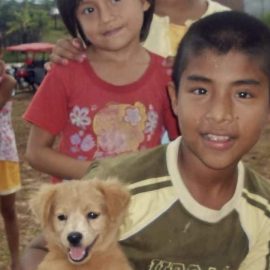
(7, 83)
(34, 254)
(43, 157)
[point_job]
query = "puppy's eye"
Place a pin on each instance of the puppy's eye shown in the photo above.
(92, 215)
(62, 217)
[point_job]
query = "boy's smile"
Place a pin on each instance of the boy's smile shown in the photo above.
(222, 107)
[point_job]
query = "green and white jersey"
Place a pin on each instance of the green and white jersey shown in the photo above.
(166, 229)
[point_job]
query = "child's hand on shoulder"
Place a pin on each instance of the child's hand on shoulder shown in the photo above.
(67, 49)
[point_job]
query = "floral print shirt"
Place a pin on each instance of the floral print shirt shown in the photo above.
(96, 119)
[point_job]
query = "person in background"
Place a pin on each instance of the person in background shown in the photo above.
(10, 181)
(172, 19)
(195, 204)
(115, 102)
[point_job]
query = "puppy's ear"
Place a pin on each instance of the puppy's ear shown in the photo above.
(117, 197)
(41, 203)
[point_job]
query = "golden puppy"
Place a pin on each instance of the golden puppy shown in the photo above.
(80, 220)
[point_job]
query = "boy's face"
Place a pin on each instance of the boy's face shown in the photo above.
(222, 107)
(111, 25)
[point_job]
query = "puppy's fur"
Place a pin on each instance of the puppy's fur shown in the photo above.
(80, 220)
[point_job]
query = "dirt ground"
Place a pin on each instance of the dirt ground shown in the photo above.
(259, 158)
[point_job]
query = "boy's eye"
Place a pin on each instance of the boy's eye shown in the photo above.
(62, 217)
(92, 215)
(199, 91)
(244, 94)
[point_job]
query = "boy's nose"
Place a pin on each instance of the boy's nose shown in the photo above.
(220, 110)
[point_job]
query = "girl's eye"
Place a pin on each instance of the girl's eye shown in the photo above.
(62, 217)
(88, 10)
(199, 91)
(244, 94)
(115, 1)
(92, 215)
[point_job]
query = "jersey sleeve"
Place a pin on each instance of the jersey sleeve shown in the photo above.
(254, 213)
(48, 108)
(259, 254)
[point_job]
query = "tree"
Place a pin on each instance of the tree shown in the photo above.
(27, 21)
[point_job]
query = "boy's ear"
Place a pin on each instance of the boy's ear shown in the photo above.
(146, 5)
(173, 96)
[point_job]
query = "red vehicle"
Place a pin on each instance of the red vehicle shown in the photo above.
(32, 72)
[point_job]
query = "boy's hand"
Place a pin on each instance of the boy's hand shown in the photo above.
(67, 49)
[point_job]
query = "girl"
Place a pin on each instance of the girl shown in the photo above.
(114, 102)
(9, 167)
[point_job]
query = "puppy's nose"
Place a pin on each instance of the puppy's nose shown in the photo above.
(75, 238)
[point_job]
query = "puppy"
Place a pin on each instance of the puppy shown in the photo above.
(80, 220)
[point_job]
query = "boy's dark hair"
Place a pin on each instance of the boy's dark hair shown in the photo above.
(67, 9)
(221, 33)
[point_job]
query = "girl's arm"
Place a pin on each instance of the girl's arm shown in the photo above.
(41, 156)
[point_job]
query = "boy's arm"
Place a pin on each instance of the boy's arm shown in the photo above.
(67, 49)
(43, 157)
(33, 254)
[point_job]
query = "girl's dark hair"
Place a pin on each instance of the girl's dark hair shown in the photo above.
(67, 9)
(221, 33)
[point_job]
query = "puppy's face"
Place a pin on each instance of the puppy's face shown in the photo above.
(81, 217)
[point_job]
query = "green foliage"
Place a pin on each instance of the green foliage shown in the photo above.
(28, 21)
(266, 19)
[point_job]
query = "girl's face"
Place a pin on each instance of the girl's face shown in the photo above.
(112, 24)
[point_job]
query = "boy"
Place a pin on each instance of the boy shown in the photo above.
(195, 205)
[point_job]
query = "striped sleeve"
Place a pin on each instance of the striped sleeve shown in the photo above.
(254, 213)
